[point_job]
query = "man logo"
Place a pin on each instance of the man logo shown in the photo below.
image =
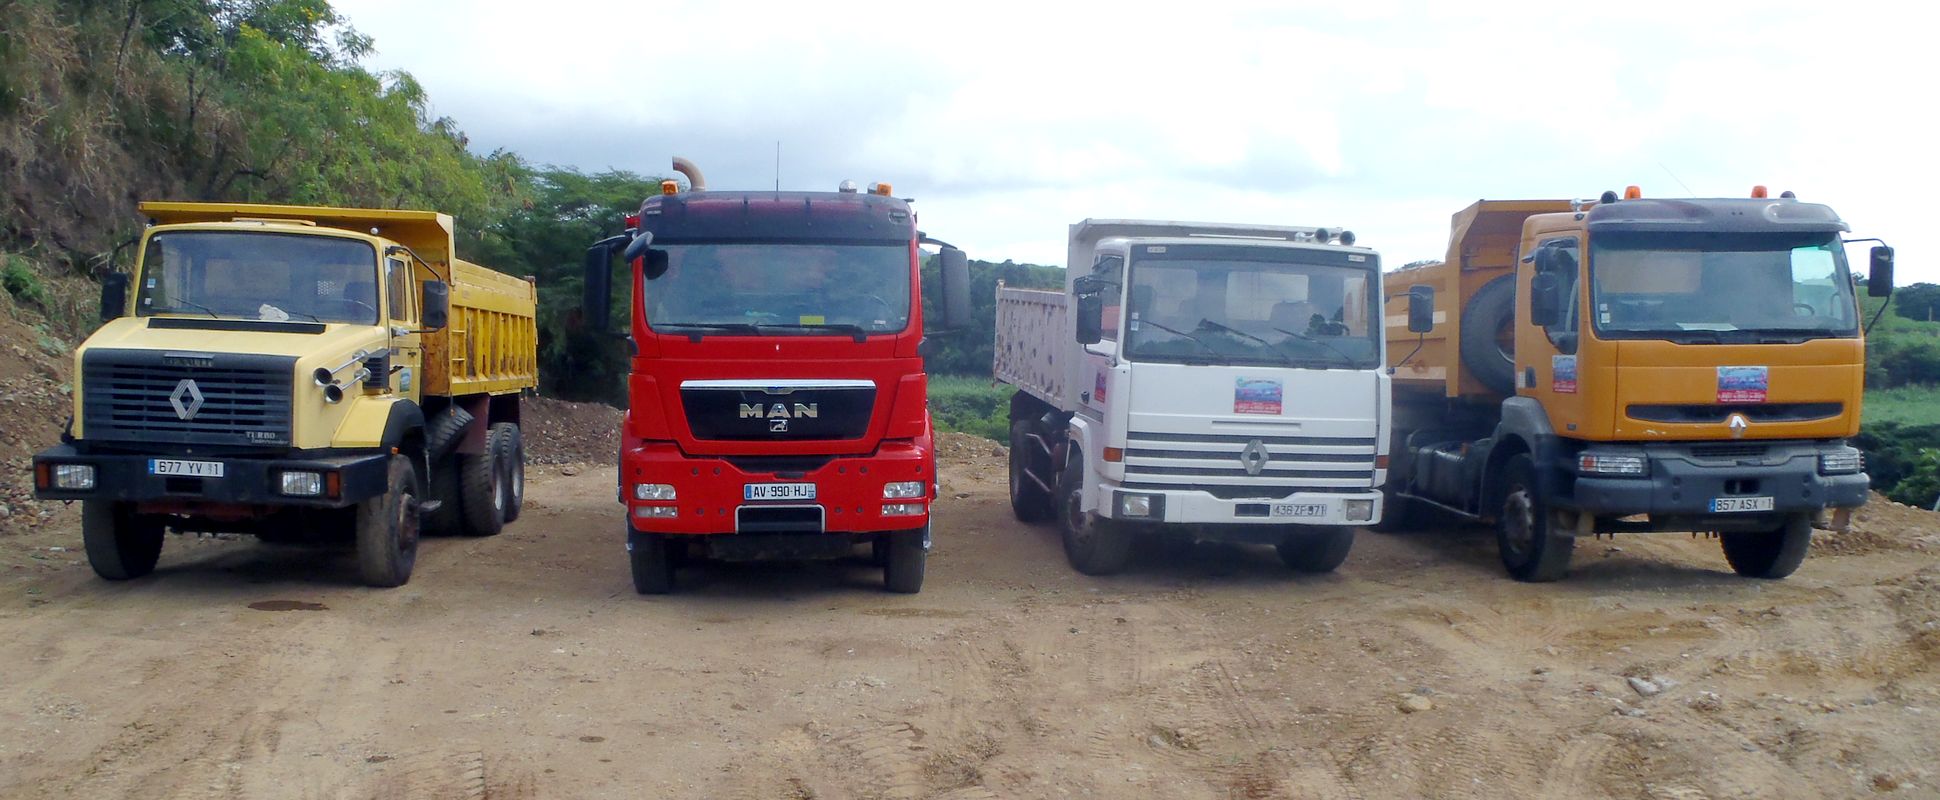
(781, 411)
(777, 426)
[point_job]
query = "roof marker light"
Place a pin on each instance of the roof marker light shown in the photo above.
(879, 189)
(847, 187)
(1633, 193)
(669, 186)
(1759, 192)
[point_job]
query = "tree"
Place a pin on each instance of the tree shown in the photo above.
(1920, 301)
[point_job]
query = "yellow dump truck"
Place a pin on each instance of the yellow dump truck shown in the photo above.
(1633, 364)
(297, 373)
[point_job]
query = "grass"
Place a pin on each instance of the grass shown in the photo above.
(970, 404)
(1906, 405)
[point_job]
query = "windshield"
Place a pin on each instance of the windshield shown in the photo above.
(259, 276)
(1720, 287)
(1186, 309)
(778, 288)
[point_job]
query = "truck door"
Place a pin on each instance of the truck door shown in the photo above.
(1547, 364)
(407, 351)
(1098, 359)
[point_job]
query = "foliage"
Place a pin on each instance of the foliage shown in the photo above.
(1899, 459)
(1920, 302)
(969, 351)
(1901, 349)
(17, 278)
(976, 406)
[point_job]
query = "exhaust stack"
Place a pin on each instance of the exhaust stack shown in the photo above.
(693, 173)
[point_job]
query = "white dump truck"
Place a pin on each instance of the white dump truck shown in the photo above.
(1200, 380)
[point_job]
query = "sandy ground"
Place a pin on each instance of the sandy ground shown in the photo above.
(524, 666)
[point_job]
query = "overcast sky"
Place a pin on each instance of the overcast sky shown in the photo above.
(1008, 121)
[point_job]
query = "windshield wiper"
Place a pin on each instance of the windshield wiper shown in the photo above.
(1322, 342)
(1195, 340)
(199, 307)
(694, 328)
(1271, 347)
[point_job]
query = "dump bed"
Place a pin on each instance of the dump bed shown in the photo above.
(1031, 329)
(1482, 246)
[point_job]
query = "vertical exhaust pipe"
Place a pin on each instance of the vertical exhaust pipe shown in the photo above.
(695, 182)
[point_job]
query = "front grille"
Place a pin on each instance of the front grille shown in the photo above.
(1730, 450)
(1232, 466)
(150, 396)
(789, 411)
(1699, 413)
(1243, 491)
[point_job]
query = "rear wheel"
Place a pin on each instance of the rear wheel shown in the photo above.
(1316, 549)
(387, 528)
(907, 554)
(652, 561)
(443, 487)
(120, 544)
(1093, 545)
(1531, 551)
(481, 488)
(1769, 554)
(1028, 501)
(511, 452)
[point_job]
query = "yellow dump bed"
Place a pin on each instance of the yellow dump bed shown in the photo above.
(490, 345)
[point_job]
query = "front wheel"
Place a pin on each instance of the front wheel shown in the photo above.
(1531, 550)
(120, 544)
(653, 563)
(1769, 554)
(903, 565)
(1093, 545)
(387, 528)
(1316, 550)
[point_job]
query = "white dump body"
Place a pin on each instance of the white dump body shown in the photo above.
(1032, 328)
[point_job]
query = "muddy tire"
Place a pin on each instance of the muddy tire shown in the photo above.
(449, 519)
(120, 544)
(1530, 550)
(1316, 549)
(652, 561)
(1768, 554)
(908, 552)
(510, 448)
(481, 488)
(1488, 318)
(1093, 545)
(387, 528)
(1028, 501)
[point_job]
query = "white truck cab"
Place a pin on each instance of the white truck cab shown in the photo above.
(1205, 380)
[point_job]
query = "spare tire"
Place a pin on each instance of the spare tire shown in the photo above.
(1489, 335)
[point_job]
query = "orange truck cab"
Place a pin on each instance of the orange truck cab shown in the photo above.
(1634, 365)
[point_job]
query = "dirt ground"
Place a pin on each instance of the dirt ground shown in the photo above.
(524, 666)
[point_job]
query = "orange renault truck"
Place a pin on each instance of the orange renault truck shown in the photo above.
(1635, 364)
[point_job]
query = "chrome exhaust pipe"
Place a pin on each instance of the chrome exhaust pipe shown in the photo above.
(695, 182)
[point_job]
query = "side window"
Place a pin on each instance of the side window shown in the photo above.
(1566, 265)
(397, 276)
(1111, 269)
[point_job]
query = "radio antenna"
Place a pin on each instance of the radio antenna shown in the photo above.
(777, 165)
(1680, 181)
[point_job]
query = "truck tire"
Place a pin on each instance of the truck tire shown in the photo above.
(653, 564)
(444, 431)
(449, 518)
(387, 528)
(1530, 550)
(1093, 545)
(1771, 554)
(908, 552)
(481, 488)
(511, 450)
(1316, 549)
(120, 544)
(1028, 501)
(1488, 318)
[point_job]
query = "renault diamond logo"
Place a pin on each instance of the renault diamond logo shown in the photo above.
(1254, 457)
(187, 399)
(1737, 423)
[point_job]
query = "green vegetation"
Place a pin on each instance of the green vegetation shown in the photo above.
(1906, 405)
(977, 406)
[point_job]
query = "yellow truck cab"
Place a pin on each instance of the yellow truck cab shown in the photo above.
(299, 373)
(1635, 365)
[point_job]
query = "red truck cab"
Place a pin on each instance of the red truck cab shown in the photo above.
(777, 399)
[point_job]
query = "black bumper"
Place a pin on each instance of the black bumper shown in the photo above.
(125, 477)
(1683, 483)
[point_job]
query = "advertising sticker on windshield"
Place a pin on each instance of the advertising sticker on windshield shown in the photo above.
(1256, 396)
(1742, 384)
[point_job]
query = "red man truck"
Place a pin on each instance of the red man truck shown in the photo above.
(777, 401)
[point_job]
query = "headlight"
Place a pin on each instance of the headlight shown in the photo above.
(902, 490)
(303, 484)
(656, 512)
(1607, 464)
(1842, 463)
(902, 509)
(1135, 505)
(653, 491)
(1358, 510)
(74, 477)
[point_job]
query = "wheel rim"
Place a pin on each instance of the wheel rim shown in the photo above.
(1518, 524)
(498, 485)
(518, 478)
(1074, 515)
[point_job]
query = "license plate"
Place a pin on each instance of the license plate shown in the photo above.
(1298, 510)
(1726, 505)
(185, 469)
(778, 491)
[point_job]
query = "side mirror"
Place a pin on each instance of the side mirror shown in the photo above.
(1091, 318)
(1545, 299)
(1880, 282)
(956, 288)
(596, 304)
(437, 305)
(1421, 308)
(114, 295)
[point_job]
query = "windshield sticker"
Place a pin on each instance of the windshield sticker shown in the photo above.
(1256, 396)
(1562, 374)
(1098, 390)
(1742, 384)
(812, 319)
(404, 379)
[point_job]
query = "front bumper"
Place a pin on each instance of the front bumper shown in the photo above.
(710, 499)
(1193, 507)
(1682, 483)
(127, 477)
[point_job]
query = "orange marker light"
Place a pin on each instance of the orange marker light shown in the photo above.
(669, 187)
(880, 188)
(1114, 454)
(1759, 192)
(1633, 192)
